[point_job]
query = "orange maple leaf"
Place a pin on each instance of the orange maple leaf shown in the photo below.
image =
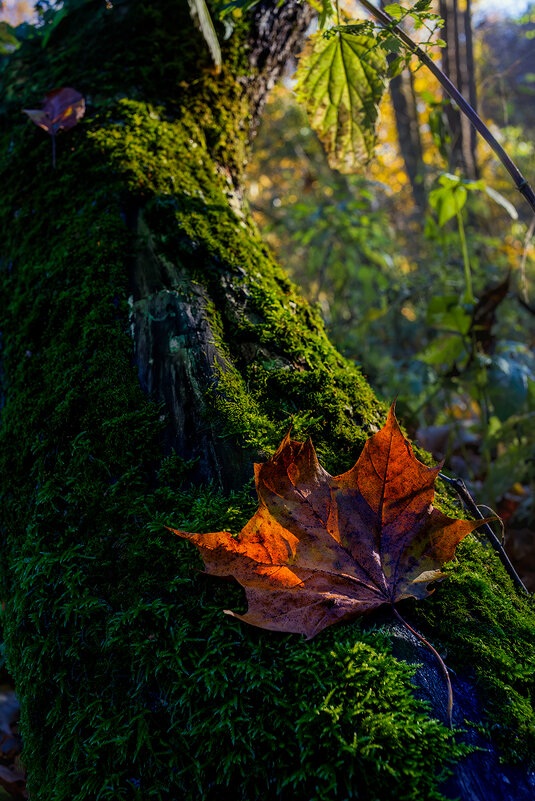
(321, 549)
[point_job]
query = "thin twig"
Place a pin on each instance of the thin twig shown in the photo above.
(460, 487)
(496, 515)
(523, 279)
(526, 306)
(387, 22)
(440, 661)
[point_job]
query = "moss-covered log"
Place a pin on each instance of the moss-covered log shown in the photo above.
(151, 350)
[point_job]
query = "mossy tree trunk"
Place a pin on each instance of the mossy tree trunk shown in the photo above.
(150, 344)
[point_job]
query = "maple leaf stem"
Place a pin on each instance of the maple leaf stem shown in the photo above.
(439, 658)
(460, 487)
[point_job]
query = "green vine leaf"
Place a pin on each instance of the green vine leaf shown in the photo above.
(340, 81)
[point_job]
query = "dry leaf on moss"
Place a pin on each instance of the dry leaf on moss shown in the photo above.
(322, 549)
(61, 110)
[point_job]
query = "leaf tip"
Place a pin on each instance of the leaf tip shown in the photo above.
(183, 534)
(284, 444)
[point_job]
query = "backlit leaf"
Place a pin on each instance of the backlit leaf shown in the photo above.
(395, 11)
(447, 201)
(341, 79)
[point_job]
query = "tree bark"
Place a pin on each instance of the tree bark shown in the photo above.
(458, 65)
(470, 81)
(408, 130)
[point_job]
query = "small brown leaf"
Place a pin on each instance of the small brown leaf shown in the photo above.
(61, 110)
(321, 549)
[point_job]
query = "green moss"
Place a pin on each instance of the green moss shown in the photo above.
(255, 303)
(133, 683)
(490, 638)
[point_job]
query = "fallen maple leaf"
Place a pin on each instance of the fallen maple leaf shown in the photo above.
(60, 111)
(321, 549)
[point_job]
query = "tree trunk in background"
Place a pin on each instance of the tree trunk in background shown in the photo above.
(408, 130)
(151, 350)
(458, 65)
(471, 78)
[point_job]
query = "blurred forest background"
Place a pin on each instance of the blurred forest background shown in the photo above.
(423, 265)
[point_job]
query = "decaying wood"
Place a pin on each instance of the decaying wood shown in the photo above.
(178, 361)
